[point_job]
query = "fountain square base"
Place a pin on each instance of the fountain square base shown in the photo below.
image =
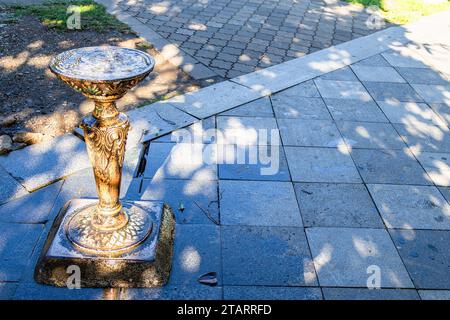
(146, 265)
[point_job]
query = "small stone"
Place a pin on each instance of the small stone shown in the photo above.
(7, 121)
(30, 137)
(5, 144)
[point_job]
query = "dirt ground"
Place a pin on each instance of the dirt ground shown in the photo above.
(33, 100)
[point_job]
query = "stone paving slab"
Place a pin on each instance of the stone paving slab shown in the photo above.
(196, 252)
(181, 161)
(342, 256)
(389, 166)
(422, 76)
(247, 131)
(270, 293)
(293, 107)
(337, 205)
(154, 120)
(425, 139)
(343, 74)
(321, 165)
(443, 110)
(369, 294)
(258, 108)
(355, 110)
(377, 74)
(16, 254)
(170, 292)
(433, 93)
(411, 207)
(202, 131)
(425, 254)
(389, 91)
(309, 133)
(34, 291)
(214, 99)
(11, 189)
(437, 166)
(412, 113)
(434, 294)
(342, 89)
(370, 135)
(32, 208)
(270, 163)
(7, 290)
(279, 256)
(245, 203)
(192, 201)
(41, 164)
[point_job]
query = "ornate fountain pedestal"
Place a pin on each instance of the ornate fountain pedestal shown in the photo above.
(113, 244)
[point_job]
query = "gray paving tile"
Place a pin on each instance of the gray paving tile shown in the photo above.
(247, 131)
(15, 254)
(309, 133)
(43, 163)
(370, 135)
(369, 294)
(192, 201)
(389, 166)
(342, 257)
(7, 290)
(34, 291)
(171, 292)
(443, 110)
(343, 74)
(377, 74)
(412, 113)
(275, 256)
(181, 161)
(437, 166)
(401, 59)
(355, 110)
(11, 189)
(337, 205)
(246, 203)
(388, 91)
(411, 207)
(257, 108)
(342, 89)
(253, 163)
(32, 208)
(202, 131)
(425, 254)
(271, 293)
(214, 99)
(422, 76)
(286, 106)
(373, 61)
(425, 138)
(321, 165)
(155, 120)
(196, 252)
(305, 89)
(433, 93)
(434, 294)
(446, 193)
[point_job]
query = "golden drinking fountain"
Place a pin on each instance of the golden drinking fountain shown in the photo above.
(114, 243)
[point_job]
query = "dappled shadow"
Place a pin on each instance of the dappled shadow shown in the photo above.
(40, 103)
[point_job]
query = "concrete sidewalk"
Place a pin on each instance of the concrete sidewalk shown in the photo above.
(362, 186)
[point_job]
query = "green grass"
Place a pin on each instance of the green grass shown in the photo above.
(404, 11)
(54, 14)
